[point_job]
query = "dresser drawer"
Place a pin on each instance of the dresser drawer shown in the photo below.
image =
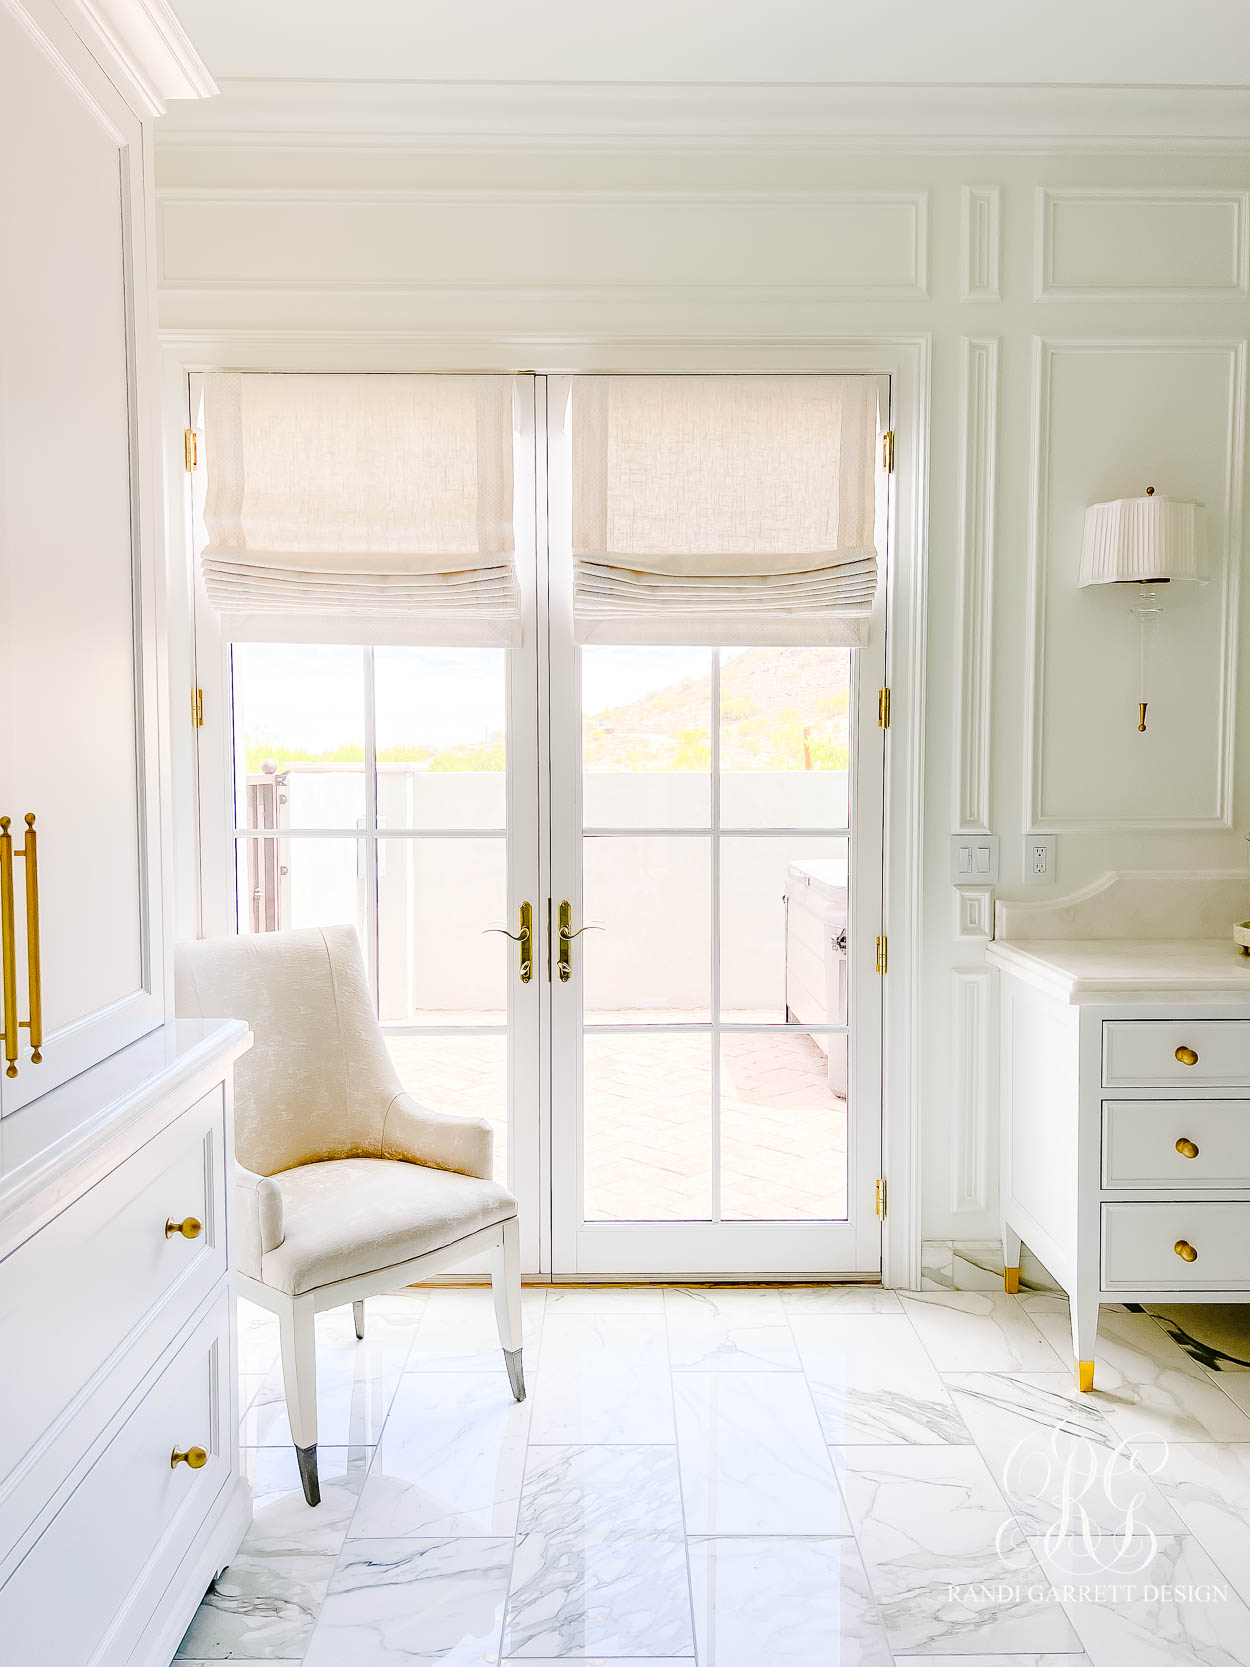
(1139, 1240)
(1142, 1053)
(74, 1291)
(82, 1584)
(1141, 1141)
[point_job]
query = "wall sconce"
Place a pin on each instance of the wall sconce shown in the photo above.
(1147, 542)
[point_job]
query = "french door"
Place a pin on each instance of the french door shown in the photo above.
(683, 1062)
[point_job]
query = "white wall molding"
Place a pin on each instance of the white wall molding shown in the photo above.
(1103, 244)
(877, 118)
(974, 658)
(974, 912)
(973, 1015)
(979, 243)
(1230, 420)
(150, 47)
(629, 244)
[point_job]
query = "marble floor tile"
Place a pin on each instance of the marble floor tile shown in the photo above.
(1029, 1659)
(753, 1457)
(979, 1331)
(458, 1332)
(354, 1390)
(787, 1602)
(413, 1600)
(605, 1299)
(1145, 1385)
(265, 1603)
(603, 1378)
(257, 1338)
(281, 1519)
(262, 1608)
(1209, 1488)
(450, 1459)
(946, 1560)
(1176, 1611)
(872, 1381)
(726, 1330)
(600, 1556)
(839, 1299)
(1059, 1464)
(391, 1321)
(1215, 1334)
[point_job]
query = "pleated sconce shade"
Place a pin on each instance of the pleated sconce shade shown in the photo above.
(1142, 539)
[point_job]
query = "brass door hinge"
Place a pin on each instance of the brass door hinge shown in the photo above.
(190, 449)
(883, 709)
(887, 451)
(880, 1198)
(883, 954)
(197, 708)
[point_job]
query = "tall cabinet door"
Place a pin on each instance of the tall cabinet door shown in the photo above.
(78, 722)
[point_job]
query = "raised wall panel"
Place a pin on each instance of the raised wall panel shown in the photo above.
(1111, 418)
(979, 243)
(973, 694)
(1109, 245)
(810, 245)
(974, 1018)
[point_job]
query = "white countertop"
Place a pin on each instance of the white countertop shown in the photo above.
(1079, 970)
(58, 1129)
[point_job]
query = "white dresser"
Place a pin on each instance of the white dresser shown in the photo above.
(1125, 1109)
(117, 1317)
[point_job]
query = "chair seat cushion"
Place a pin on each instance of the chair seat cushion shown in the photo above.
(349, 1216)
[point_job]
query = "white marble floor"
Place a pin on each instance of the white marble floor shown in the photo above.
(817, 1477)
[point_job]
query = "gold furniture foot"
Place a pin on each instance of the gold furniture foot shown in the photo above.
(1084, 1376)
(1011, 1281)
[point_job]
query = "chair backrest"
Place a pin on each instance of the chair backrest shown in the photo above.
(318, 1079)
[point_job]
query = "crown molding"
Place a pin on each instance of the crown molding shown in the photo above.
(384, 115)
(149, 48)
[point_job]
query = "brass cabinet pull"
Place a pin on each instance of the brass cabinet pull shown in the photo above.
(1187, 1056)
(195, 1457)
(1185, 1250)
(190, 1228)
(525, 937)
(1186, 1148)
(8, 946)
(566, 935)
(33, 979)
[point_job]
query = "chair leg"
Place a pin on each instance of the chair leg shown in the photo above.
(358, 1319)
(505, 1278)
(299, 1380)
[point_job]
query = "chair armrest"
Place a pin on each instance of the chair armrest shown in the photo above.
(258, 1217)
(414, 1133)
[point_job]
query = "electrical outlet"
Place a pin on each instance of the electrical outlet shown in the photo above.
(1039, 859)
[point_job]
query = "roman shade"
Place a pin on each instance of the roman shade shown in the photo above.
(361, 508)
(724, 509)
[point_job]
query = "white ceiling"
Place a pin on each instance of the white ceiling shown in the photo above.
(1058, 42)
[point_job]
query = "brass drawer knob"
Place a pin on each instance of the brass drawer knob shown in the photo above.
(195, 1457)
(190, 1228)
(1187, 1056)
(1185, 1250)
(1186, 1148)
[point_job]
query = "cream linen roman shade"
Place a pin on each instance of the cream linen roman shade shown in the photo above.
(361, 508)
(724, 509)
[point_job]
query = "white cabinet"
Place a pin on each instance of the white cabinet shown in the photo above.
(78, 577)
(1125, 1121)
(120, 1353)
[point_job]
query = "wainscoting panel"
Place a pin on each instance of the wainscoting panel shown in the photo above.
(973, 693)
(979, 243)
(1113, 417)
(974, 1014)
(811, 245)
(1124, 245)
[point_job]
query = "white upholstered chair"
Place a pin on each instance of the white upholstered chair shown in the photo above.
(346, 1186)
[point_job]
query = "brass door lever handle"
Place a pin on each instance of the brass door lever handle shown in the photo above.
(525, 937)
(566, 935)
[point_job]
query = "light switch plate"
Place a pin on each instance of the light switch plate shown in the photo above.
(974, 859)
(1039, 859)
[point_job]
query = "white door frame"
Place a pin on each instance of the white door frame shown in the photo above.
(906, 359)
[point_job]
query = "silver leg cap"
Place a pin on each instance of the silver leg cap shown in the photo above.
(516, 1373)
(306, 1458)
